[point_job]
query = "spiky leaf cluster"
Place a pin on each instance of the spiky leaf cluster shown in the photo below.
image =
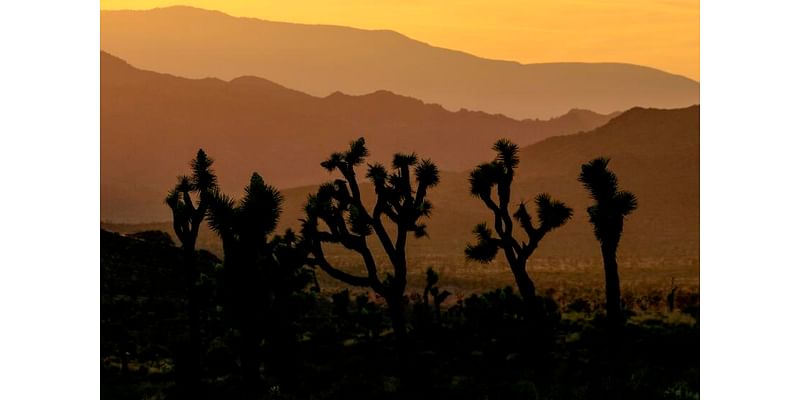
(288, 271)
(189, 198)
(485, 250)
(337, 214)
(203, 177)
(498, 175)
(550, 214)
(431, 279)
(611, 205)
(338, 203)
(250, 219)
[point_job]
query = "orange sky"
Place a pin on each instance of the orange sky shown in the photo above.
(661, 34)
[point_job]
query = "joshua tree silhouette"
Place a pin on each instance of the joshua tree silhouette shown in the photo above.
(285, 278)
(339, 205)
(186, 220)
(243, 227)
(550, 213)
(607, 215)
(431, 279)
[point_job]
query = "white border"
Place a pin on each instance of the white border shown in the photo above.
(750, 197)
(50, 163)
(49, 141)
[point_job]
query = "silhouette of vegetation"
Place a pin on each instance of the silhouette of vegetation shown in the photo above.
(243, 227)
(268, 329)
(671, 296)
(607, 216)
(431, 279)
(340, 207)
(474, 352)
(157, 237)
(550, 214)
(144, 304)
(187, 216)
(285, 279)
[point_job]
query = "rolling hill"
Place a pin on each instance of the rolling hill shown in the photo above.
(320, 60)
(655, 153)
(152, 124)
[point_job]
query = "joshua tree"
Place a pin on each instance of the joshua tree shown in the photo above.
(550, 214)
(287, 273)
(431, 279)
(340, 206)
(286, 277)
(607, 215)
(243, 227)
(187, 216)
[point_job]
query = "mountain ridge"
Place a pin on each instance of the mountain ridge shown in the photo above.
(152, 123)
(662, 170)
(171, 40)
(390, 32)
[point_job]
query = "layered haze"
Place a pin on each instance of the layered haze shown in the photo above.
(655, 153)
(656, 33)
(220, 127)
(322, 59)
(153, 123)
(277, 98)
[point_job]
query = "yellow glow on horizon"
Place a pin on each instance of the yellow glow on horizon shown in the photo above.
(663, 34)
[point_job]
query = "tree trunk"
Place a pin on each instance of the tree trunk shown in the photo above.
(613, 309)
(398, 316)
(526, 289)
(194, 353)
(614, 315)
(250, 358)
(247, 307)
(190, 261)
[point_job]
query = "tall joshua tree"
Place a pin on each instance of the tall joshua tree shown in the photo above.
(188, 201)
(243, 227)
(550, 215)
(607, 215)
(340, 207)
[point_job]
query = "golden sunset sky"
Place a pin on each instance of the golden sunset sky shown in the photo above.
(660, 34)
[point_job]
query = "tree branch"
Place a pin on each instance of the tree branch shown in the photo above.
(335, 273)
(379, 229)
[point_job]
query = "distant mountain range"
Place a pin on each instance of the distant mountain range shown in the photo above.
(655, 153)
(152, 124)
(321, 59)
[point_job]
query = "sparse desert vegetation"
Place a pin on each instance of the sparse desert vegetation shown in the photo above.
(447, 252)
(342, 338)
(288, 316)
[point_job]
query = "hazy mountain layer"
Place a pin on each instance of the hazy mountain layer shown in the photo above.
(152, 124)
(320, 60)
(655, 154)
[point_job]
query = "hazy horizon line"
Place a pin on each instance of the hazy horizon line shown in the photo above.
(401, 34)
(377, 91)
